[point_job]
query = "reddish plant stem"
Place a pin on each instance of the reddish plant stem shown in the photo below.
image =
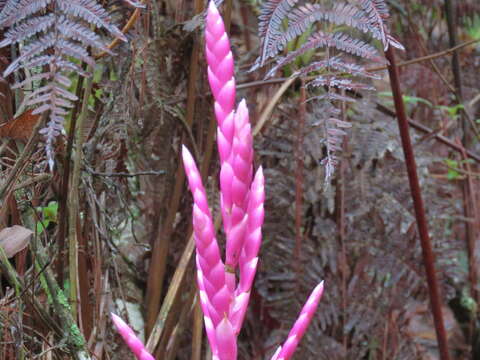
(427, 251)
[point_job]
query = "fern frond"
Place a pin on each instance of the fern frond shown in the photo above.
(377, 12)
(305, 21)
(337, 63)
(15, 11)
(333, 139)
(331, 81)
(56, 36)
(27, 29)
(338, 40)
(32, 50)
(341, 14)
(272, 13)
(82, 34)
(91, 12)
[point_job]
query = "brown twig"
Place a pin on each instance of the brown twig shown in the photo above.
(121, 174)
(133, 19)
(425, 129)
(427, 251)
(36, 179)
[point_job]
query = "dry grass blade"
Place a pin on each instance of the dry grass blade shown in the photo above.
(172, 296)
(271, 105)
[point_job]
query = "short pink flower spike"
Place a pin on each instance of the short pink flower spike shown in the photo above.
(131, 339)
(286, 351)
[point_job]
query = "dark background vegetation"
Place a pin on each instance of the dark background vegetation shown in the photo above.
(357, 231)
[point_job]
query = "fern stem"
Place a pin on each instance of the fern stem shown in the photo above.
(427, 251)
(74, 207)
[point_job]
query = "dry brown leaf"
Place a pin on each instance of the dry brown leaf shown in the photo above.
(14, 239)
(21, 127)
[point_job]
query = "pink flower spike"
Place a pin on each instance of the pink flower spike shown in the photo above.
(209, 263)
(226, 340)
(253, 237)
(300, 325)
(220, 67)
(131, 339)
(224, 303)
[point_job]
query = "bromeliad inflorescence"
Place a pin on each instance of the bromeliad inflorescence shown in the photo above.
(223, 297)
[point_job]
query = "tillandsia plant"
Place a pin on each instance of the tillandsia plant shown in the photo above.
(223, 299)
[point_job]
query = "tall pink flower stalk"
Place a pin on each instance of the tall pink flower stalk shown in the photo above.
(224, 301)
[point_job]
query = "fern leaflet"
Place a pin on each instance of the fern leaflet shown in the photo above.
(270, 23)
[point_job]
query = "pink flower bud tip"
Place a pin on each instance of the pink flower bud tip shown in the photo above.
(133, 342)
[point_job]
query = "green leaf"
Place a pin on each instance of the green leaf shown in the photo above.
(48, 214)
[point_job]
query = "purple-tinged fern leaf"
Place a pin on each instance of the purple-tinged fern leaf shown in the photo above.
(92, 12)
(377, 12)
(56, 35)
(336, 63)
(27, 29)
(338, 40)
(331, 81)
(272, 14)
(15, 11)
(301, 18)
